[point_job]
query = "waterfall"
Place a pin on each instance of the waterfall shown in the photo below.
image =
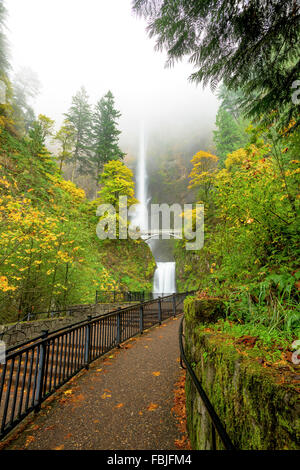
(164, 276)
(164, 279)
(141, 218)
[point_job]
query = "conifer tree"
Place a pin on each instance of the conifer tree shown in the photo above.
(105, 133)
(79, 116)
(229, 136)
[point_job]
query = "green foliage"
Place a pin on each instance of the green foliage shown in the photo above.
(79, 116)
(229, 136)
(251, 46)
(50, 256)
(251, 246)
(116, 180)
(66, 138)
(105, 133)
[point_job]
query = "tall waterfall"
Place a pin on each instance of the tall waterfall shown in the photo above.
(164, 276)
(141, 218)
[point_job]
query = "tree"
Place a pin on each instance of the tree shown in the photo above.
(66, 138)
(250, 45)
(41, 128)
(79, 116)
(202, 175)
(105, 133)
(116, 180)
(229, 136)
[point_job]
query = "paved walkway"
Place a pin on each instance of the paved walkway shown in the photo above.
(122, 403)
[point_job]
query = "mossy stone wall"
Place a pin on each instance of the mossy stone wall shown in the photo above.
(257, 412)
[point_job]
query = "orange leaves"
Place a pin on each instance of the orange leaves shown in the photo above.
(29, 440)
(120, 405)
(152, 406)
(249, 341)
(179, 410)
(156, 374)
(105, 395)
(60, 447)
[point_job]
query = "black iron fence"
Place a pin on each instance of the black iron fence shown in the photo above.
(124, 296)
(35, 370)
(216, 425)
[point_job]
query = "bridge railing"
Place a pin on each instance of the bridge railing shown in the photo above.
(36, 369)
(126, 296)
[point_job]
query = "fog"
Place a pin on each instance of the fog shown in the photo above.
(103, 45)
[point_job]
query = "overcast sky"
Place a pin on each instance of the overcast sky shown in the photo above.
(102, 45)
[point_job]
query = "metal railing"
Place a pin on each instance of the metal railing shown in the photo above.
(126, 296)
(215, 420)
(36, 369)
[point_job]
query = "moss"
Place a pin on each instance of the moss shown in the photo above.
(257, 412)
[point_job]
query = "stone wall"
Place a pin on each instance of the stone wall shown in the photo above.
(14, 334)
(258, 409)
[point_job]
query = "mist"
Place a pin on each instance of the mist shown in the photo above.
(103, 46)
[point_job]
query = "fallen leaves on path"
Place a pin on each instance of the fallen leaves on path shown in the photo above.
(105, 395)
(152, 406)
(120, 405)
(179, 411)
(61, 447)
(29, 440)
(156, 374)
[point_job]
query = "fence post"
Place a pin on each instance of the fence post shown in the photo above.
(174, 305)
(159, 310)
(41, 370)
(87, 342)
(141, 318)
(119, 327)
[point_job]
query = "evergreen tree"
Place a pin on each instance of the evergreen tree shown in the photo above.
(253, 45)
(105, 133)
(79, 116)
(229, 136)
